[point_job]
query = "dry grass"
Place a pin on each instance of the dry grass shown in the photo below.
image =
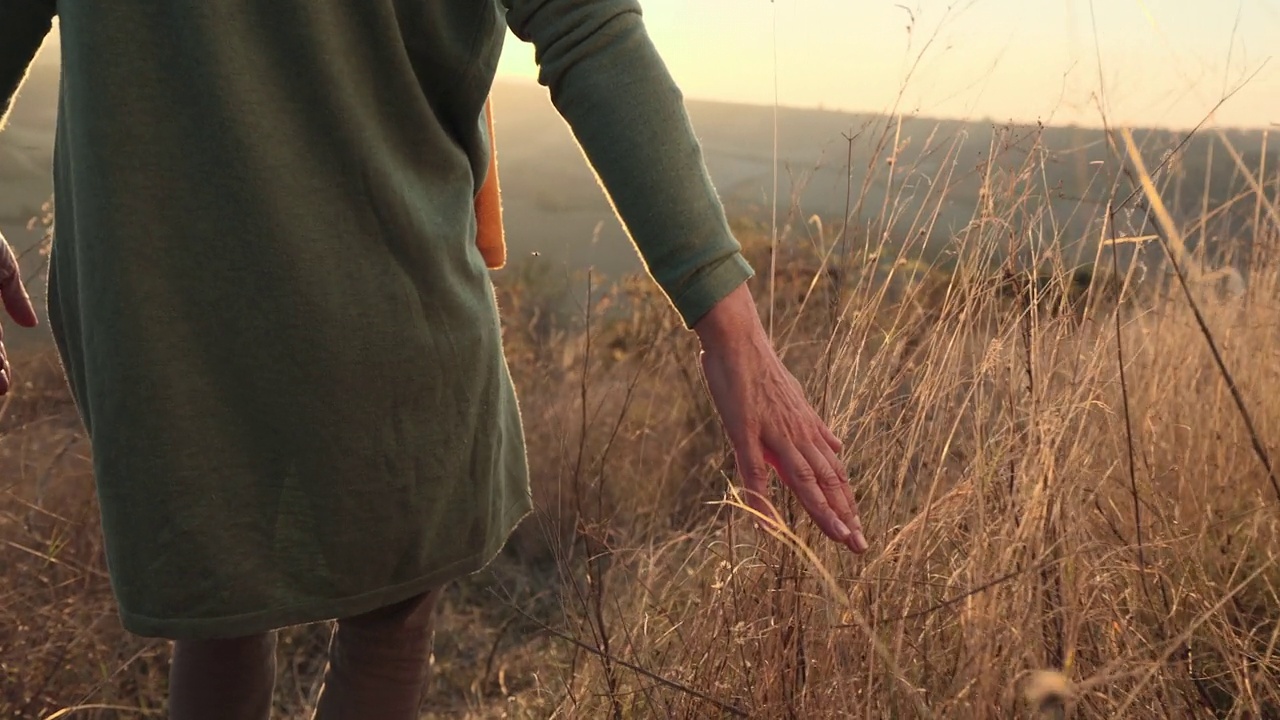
(1049, 535)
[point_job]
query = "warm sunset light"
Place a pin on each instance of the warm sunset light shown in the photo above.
(1164, 62)
(639, 359)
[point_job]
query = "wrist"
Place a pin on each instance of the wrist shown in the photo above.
(733, 320)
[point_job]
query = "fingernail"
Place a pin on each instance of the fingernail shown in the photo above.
(859, 542)
(842, 530)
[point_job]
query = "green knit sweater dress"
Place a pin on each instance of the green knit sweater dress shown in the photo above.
(267, 296)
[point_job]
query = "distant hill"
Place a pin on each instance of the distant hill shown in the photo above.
(554, 205)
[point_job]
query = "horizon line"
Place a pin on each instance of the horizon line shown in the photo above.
(1206, 124)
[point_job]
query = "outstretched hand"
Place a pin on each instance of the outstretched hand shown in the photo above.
(770, 423)
(16, 302)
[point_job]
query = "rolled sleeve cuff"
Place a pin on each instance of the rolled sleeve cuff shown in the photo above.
(710, 287)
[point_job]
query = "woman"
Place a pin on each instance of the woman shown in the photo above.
(280, 334)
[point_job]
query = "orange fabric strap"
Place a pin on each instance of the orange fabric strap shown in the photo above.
(490, 236)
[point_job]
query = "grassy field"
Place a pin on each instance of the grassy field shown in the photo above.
(1065, 478)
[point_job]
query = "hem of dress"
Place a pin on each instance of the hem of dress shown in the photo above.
(230, 626)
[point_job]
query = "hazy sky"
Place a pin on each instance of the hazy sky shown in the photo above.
(1164, 62)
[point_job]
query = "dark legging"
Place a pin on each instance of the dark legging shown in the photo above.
(377, 669)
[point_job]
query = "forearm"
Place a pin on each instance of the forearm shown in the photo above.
(609, 83)
(24, 24)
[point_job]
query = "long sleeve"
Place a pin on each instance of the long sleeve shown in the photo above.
(610, 85)
(23, 27)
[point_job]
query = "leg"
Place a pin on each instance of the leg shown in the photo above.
(222, 679)
(378, 663)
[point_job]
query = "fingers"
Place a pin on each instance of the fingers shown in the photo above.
(12, 293)
(18, 304)
(833, 442)
(806, 481)
(5, 371)
(839, 493)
